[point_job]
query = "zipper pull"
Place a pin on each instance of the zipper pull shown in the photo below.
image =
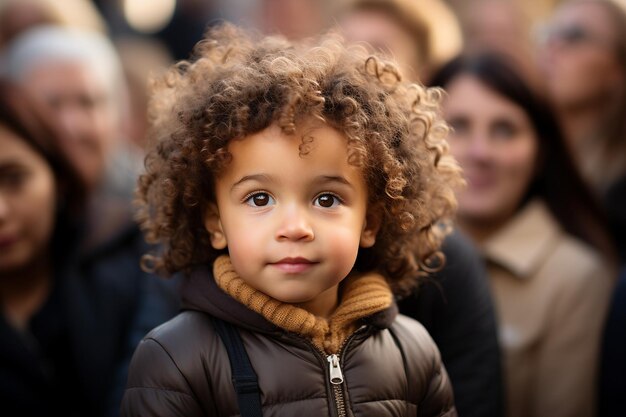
(336, 377)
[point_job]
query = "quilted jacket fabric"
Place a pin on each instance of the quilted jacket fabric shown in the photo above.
(181, 368)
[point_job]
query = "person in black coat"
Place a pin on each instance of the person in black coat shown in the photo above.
(612, 392)
(70, 318)
(77, 75)
(456, 308)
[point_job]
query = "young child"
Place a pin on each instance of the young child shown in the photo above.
(300, 188)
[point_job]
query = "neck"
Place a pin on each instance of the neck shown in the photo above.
(24, 291)
(324, 304)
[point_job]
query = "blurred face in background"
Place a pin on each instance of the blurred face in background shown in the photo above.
(295, 19)
(81, 102)
(382, 32)
(27, 203)
(496, 146)
(578, 57)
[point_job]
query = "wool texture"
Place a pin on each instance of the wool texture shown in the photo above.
(362, 296)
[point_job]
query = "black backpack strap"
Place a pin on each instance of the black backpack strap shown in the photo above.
(244, 378)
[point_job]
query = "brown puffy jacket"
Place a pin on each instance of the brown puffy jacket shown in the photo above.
(181, 368)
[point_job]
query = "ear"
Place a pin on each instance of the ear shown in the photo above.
(213, 225)
(373, 220)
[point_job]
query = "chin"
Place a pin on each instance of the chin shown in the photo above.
(478, 215)
(475, 211)
(292, 298)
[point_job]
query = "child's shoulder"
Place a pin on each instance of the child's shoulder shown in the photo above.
(171, 363)
(413, 338)
(187, 324)
(179, 346)
(422, 362)
(185, 338)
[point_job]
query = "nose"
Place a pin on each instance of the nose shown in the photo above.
(479, 148)
(548, 53)
(295, 224)
(76, 120)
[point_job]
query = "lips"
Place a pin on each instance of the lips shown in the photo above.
(6, 241)
(480, 182)
(477, 180)
(294, 265)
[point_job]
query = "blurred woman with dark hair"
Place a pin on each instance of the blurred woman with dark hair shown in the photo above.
(548, 252)
(64, 334)
(41, 198)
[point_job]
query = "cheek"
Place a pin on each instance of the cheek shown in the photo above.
(598, 60)
(343, 246)
(458, 149)
(108, 124)
(524, 156)
(579, 72)
(565, 75)
(41, 208)
(47, 198)
(246, 245)
(519, 165)
(611, 79)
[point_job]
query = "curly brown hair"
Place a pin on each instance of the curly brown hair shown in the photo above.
(236, 85)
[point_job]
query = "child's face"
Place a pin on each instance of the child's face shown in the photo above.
(293, 224)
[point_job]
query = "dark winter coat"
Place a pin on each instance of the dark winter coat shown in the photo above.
(612, 393)
(456, 307)
(182, 368)
(73, 359)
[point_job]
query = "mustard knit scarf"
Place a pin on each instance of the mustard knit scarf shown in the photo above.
(362, 296)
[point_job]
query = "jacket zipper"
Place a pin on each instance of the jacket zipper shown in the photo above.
(336, 379)
(336, 376)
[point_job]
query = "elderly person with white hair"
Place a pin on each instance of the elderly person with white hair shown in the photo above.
(78, 77)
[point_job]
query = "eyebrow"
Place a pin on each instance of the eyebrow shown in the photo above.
(322, 179)
(10, 165)
(253, 177)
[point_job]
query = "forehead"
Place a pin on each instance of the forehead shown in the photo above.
(466, 90)
(373, 26)
(469, 95)
(312, 150)
(306, 142)
(15, 149)
(65, 77)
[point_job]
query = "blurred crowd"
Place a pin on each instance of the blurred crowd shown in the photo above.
(529, 312)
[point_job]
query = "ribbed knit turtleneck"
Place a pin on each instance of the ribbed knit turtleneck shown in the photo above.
(362, 296)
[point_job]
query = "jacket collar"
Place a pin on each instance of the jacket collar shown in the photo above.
(200, 292)
(523, 243)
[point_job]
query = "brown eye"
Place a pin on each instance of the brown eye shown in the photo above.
(259, 200)
(12, 179)
(327, 200)
(503, 129)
